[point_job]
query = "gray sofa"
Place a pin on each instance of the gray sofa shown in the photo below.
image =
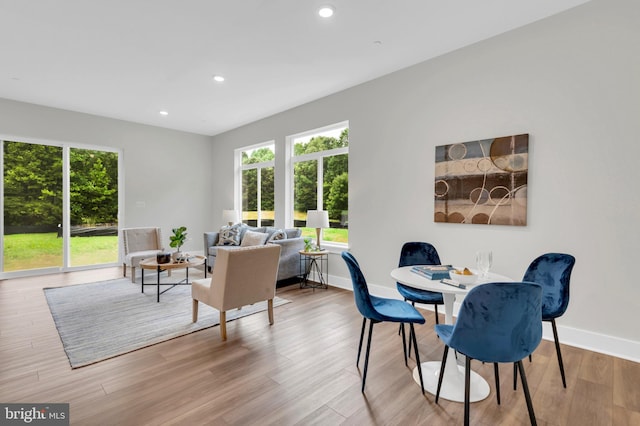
(289, 265)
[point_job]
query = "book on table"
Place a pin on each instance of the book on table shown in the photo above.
(432, 272)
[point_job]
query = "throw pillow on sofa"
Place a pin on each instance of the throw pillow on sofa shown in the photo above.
(278, 234)
(251, 238)
(230, 235)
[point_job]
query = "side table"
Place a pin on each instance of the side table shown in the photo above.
(314, 269)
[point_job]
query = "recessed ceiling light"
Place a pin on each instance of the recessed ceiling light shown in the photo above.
(218, 78)
(164, 113)
(326, 11)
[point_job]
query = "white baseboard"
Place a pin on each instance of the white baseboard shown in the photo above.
(584, 339)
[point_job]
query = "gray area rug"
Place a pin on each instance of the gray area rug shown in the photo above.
(97, 321)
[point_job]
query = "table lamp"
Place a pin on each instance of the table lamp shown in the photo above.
(230, 216)
(317, 219)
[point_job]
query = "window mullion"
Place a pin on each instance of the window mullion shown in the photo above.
(259, 196)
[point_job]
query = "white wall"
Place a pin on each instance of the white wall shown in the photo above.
(570, 81)
(166, 171)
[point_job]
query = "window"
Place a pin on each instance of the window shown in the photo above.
(257, 184)
(320, 179)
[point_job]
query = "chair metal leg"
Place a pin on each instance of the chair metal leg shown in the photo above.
(404, 343)
(409, 351)
(401, 324)
(442, 365)
(467, 386)
(437, 319)
(555, 337)
(497, 374)
(515, 376)
(415, 349)
(366, 357)
(364, 323)
(527, 396)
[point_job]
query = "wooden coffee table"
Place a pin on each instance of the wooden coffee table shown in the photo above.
(152, 263)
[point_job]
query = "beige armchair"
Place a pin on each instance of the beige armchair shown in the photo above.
(139, 244)
(241, 277)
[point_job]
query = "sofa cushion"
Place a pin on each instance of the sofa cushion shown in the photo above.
(278, 234)
(252, 238)
(230, 235)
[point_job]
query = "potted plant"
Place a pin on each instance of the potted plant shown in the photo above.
(178, 238)
(307, 244)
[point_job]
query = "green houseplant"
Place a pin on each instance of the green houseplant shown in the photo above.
(178, 237)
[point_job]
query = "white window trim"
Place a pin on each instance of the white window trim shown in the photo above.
(239, 167)
(290, 161)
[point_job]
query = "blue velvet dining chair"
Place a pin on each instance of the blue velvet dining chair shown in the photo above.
(378, 309)
(553, 272)
(419, 253)
(497, 322)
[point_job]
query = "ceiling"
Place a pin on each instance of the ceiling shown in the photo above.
(130, 59)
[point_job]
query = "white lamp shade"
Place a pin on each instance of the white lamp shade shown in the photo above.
(230, 216)
(317, 219)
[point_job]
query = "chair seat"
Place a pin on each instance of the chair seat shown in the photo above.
(420, 296)
(391, 310)
(444, 332)
(134, 258)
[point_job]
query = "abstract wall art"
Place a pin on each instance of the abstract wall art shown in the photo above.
(483, 181)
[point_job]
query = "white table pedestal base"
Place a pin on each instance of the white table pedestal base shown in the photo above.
(452, 382)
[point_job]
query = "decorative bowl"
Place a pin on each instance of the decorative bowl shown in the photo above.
(461, 278)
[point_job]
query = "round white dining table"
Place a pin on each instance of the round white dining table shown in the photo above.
(453, 378)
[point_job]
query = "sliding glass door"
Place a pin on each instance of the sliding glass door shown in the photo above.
(32, 206)
(93, 198)
(60, 207)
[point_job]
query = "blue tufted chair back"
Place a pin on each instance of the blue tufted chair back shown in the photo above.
(499, 322)
(360, 289)
(553, 272)
(418, 253)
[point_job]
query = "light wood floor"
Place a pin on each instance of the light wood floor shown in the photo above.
(300, 371)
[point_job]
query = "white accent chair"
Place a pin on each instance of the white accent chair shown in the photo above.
(242, 276)
(139, 244)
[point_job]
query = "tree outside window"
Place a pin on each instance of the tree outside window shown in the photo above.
(258, 186)
(321, 180)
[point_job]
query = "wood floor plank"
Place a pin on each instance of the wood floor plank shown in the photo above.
(626, 392)
(299, 371)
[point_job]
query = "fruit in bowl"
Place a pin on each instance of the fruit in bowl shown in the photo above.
(463, 276)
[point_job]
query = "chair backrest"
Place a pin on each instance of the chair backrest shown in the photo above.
(418, 253)
(553, 272)
(244, 275)
(141, 239)
(360, 289)
(499, 322)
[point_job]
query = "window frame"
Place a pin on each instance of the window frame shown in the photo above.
(319, 156)
(240, 168)
(66, 212)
